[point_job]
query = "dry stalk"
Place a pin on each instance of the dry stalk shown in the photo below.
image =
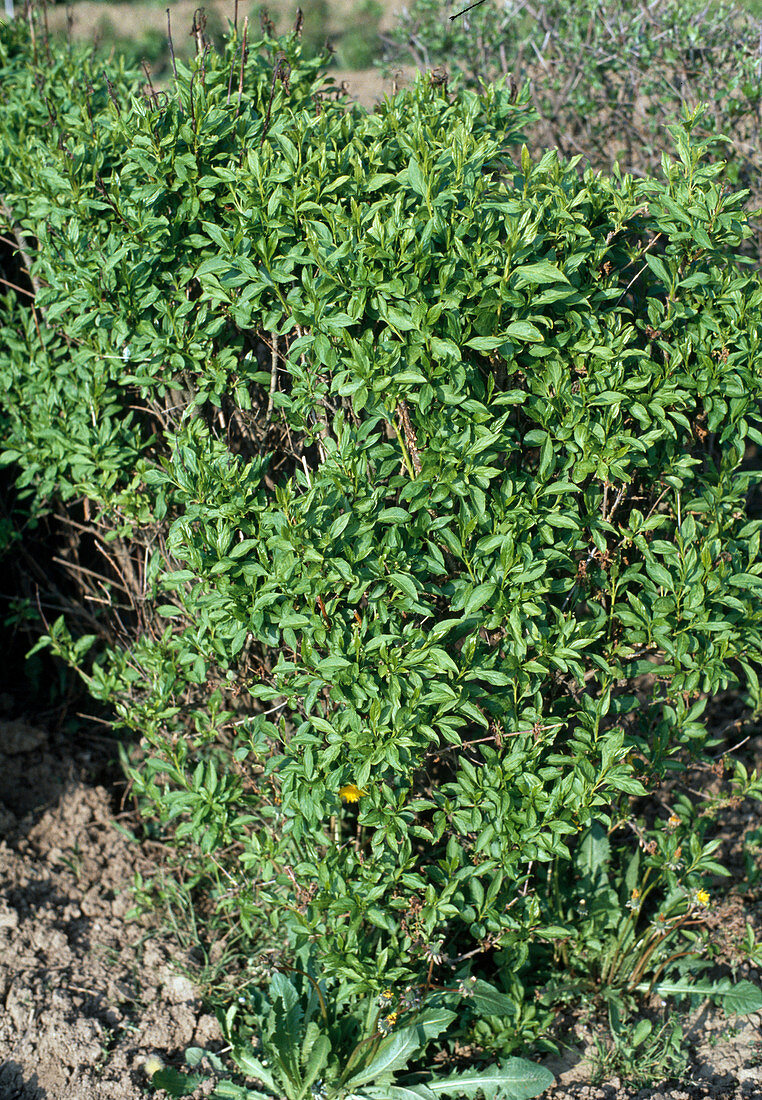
(410, 437)
(273, 373)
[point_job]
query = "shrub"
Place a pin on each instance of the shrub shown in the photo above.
(417, 475)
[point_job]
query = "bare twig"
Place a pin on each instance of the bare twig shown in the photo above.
(243, 59)
(171, 45)
(198, 28)
(412, 442)
(273, 374)
(17, 236)
(470, 7)
(15, 286)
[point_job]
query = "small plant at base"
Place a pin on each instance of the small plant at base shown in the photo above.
(639, 1056)
(295, 1048)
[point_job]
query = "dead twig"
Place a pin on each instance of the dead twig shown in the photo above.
(273, 374)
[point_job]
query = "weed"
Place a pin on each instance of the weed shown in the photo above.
(639, 1054)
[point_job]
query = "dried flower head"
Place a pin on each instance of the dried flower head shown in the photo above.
(152, 1064)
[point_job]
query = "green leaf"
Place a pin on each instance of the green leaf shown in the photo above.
(175, 1083)
(317, 1060)
(433, 1021)
(538, 274)
(489, 1000)
(742, 999)
(480, 595)
(739, 999)
(405, 584)
(338, 525)
(394, 1053)
(513, 1079)
(415, 177)
(400, 1092)
(226, 1090)
(524, 330)
(483, 343)
(242, 548)
(393, 515)
(642, 1030)
(593, 856)
(396, 318)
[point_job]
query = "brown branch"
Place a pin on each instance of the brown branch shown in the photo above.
(412, 442)
(273, 374)
(15, 286)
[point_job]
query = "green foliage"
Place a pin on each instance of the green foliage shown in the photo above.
(620, 933)
(415, 465)
(360, 43)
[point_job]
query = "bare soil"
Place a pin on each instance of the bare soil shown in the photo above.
(85, 994)
(128, 17)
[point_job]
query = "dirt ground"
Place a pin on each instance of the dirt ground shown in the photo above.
(128, 16)
(88, 996)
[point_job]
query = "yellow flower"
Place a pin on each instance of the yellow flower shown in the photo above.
(673, 821)
(702, 898)
(388, 1022)
(351, 793)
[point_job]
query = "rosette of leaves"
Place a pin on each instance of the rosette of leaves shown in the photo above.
(294, 1046)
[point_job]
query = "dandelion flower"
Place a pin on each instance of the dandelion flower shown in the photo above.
(634, 902)
(388, 1022)
(351, 793)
